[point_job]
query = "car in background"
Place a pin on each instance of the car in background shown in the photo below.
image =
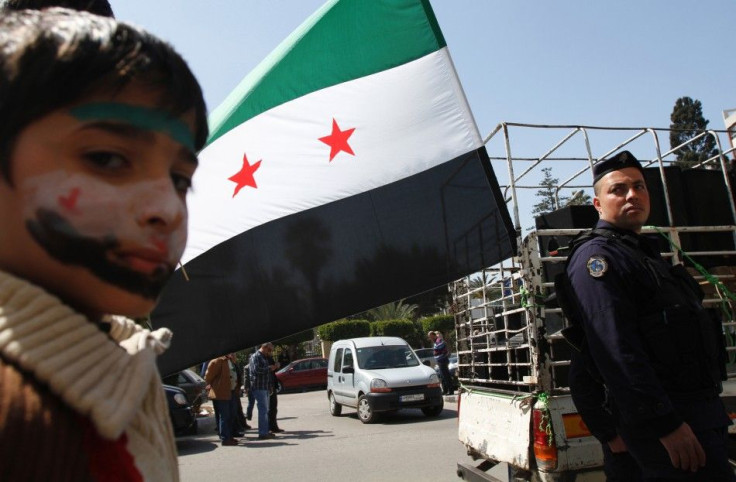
(302, 374)
(426, 356)
(193, 385)
(183, 416)
(453, 370)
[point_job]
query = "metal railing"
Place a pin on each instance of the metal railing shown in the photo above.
(506, 338)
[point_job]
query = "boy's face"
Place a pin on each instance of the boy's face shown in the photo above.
(97, 212)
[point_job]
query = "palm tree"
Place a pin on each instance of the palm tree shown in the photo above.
(392, 311)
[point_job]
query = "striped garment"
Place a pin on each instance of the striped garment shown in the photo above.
(440, 350)
(260, 376)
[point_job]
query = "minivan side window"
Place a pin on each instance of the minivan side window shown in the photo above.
(348, 358)
(338, 360)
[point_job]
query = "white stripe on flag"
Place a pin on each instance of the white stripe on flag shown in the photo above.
(406, 119)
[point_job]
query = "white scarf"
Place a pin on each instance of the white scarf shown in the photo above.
(112, 379)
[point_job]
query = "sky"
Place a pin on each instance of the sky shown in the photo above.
(576, 62)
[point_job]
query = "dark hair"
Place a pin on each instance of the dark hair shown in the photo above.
(98, 7)
(52, 58)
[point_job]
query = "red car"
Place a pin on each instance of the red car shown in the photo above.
(302, 374)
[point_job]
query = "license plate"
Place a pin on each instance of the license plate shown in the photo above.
(412, 398)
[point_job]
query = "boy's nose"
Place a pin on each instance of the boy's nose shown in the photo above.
(160, 206)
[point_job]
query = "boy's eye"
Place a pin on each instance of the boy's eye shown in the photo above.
(106, 160)
(181, 182)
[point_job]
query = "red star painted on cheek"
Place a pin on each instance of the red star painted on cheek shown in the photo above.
(245, 176)
(69, 201)
(338, 140)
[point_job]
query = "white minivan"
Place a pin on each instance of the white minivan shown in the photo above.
(380, 374)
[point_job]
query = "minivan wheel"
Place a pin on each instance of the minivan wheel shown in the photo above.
(432, 411)
(365, 411)
(335, 408)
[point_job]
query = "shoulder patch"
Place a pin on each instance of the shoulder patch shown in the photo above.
(597, 266)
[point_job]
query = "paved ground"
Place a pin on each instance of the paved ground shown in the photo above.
(404, 446)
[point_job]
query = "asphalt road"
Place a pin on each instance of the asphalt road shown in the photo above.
(403, 446)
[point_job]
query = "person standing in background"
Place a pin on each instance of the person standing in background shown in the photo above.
(442, 357)
(261, 385)
(222, 379)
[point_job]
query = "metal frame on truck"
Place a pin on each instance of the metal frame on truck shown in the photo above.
(514, 402)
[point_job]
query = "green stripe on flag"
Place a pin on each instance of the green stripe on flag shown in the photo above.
(342, 41)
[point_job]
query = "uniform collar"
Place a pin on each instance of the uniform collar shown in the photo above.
(606, 225)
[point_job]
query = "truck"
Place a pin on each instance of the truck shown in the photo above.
(514, 403)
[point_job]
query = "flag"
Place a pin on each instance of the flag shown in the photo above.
(346, 171)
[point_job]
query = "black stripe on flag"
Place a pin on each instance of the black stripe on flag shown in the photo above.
(338, 259)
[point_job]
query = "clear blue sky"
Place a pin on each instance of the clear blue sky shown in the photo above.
(579, 62)
(583, 62)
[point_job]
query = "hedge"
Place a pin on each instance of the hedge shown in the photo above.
(442, 323)
(341, 329)
(402, 328)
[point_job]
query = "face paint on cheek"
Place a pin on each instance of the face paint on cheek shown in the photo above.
(69, 201)
(61, 241)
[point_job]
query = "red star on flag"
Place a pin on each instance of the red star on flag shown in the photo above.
(245, 176)
(338, 140)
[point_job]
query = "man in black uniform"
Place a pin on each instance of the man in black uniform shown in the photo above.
(648, 376)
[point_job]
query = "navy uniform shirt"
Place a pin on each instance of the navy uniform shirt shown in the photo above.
(613, 290)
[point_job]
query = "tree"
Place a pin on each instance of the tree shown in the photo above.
(687, 121)
(547, 195)
(392, 311)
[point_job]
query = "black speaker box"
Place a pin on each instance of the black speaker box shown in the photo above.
(583, 216)
(706, 201)
(658, 213)
(569, 217)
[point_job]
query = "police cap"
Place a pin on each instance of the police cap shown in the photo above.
(620, 161)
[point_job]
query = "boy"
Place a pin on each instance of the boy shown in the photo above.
(101, 124)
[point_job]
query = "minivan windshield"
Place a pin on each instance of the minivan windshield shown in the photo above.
(387, 356)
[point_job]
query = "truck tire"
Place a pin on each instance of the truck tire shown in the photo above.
(365, 411)
(335, 408)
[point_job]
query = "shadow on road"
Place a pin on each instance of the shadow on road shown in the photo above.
(406, 416)
(289, 435)
(194, 445)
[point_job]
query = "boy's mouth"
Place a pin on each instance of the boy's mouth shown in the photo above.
(143, 260)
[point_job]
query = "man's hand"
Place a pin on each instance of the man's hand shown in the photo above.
(684, 450)
(617, 445)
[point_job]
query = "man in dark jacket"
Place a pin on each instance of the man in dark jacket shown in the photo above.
(273, 401)
(647, 380)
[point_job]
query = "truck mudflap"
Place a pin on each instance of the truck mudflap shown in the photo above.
(509, 438)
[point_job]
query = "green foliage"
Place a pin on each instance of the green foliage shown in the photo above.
(442, 323)
(687, 121)
(341, 329)
(392, 311)
(432, 301)
(402, 328)
(482, 281)
(548, 193)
